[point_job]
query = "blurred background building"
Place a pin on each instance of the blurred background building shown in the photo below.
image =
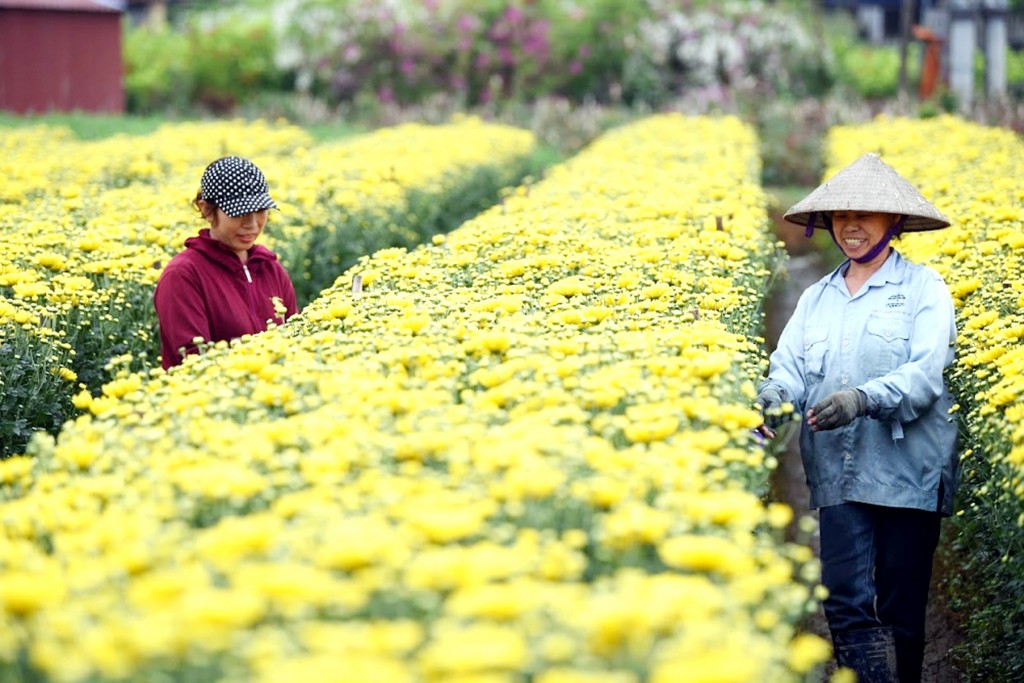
(61, 55)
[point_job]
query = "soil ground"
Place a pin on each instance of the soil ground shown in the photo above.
(805, 266)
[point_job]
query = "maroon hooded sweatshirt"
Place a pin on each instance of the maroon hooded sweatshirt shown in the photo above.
(206, 291)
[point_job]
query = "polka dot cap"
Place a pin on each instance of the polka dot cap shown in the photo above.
(236, 186)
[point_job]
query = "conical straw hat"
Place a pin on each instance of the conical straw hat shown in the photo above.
(868, 184)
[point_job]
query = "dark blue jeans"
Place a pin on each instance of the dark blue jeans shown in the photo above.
(877, 567)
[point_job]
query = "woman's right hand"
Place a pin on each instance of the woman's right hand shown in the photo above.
(769, 402)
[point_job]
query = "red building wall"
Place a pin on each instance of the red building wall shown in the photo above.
(53, 58)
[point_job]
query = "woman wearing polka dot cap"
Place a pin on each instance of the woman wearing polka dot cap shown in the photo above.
(223, 285)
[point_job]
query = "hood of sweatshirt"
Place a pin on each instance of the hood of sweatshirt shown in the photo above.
(222, 255)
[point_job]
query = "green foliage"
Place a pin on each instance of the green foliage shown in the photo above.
(872, 71)
(592, 47)
(122, 331)
(216, 65)
(790, 147)
(33, 395)
(333, 131)
(943, 101)
(92, 342)
(366, 55)
(232, 59)
(1015, 72)
(867, 70)
(157, 76)
(989, 545)
(86, 125)
(986, 588)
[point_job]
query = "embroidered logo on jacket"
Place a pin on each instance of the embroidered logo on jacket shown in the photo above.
(896, 301)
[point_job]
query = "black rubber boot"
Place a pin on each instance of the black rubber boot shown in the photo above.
(909, 659)
(870, 652)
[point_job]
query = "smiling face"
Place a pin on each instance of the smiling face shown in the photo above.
(858, 231)
(239, 233)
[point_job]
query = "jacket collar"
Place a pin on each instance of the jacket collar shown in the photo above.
(222, 255)
(892, 271)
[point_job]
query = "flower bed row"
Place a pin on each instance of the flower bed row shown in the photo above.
(523, 452)
(974, 177)
(86, 228)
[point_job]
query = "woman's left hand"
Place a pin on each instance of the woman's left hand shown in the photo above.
(838, 409)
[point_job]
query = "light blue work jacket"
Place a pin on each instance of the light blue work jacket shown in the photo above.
(892, 339)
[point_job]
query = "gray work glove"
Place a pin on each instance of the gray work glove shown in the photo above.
(769, 402)
(838, 409)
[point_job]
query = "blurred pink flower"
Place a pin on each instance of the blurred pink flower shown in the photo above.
(537, 49)
(500, 31)
(467, 23)
(575, 67)
(351, 53)
(535, 43)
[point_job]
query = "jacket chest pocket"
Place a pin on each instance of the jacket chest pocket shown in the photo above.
(887, 344)
(815, 345)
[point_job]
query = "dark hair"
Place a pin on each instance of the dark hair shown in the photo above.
(902, 220)
(209, 202)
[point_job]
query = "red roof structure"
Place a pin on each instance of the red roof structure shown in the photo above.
(61, 55)
(68, 5)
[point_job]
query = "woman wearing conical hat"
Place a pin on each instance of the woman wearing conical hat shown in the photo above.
(862, 358)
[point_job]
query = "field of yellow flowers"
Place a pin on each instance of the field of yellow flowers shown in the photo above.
(520, 452)
(86, 228)
(974, 177)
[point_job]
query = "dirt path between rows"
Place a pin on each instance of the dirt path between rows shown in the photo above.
(806, 266)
